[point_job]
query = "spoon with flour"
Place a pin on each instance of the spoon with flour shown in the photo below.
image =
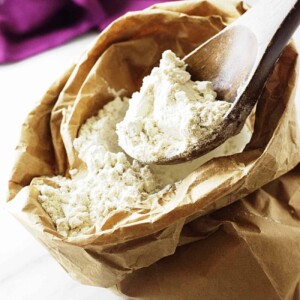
(176, 116)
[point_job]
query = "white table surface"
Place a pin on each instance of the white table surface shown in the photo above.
(27, 271)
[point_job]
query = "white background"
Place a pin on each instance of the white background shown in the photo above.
(27, 271)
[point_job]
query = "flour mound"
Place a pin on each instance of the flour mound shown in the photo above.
(170, 113)
(112, 181)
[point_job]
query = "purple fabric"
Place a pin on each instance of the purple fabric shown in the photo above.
(28, 27)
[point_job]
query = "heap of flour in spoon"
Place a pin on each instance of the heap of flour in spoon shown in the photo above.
(170, 113)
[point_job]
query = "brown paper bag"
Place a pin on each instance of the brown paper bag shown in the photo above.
(130, 47)
(248, 250)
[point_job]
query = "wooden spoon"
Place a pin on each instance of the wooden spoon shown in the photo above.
(238, 61)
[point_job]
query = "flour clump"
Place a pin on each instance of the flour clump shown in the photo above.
(170, 113)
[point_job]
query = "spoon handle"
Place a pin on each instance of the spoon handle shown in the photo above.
(272, 22)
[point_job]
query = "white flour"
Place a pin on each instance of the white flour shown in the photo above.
(113, 182)
(110, 183)
(170, 113)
